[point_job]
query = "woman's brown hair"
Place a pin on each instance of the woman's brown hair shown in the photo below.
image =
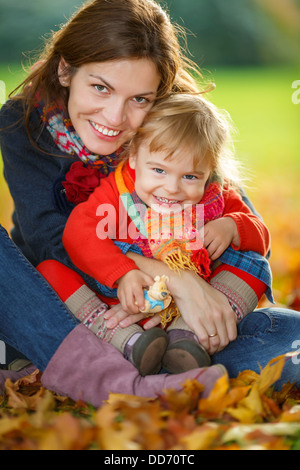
(106, 30)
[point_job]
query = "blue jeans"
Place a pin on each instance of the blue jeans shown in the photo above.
(263, 335)
(34, 321)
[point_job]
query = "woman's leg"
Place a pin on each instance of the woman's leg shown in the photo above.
(73, 360)
(263, 335)
(29, 308)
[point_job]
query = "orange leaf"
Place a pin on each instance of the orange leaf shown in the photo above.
(292, 415)
(19, 400)
(214, 403)
(272, 372)
(201, 438)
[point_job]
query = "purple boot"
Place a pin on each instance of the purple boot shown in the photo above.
(14, 375)
(86, 368)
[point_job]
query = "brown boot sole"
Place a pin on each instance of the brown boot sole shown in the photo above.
(185, 355)
(149, 350)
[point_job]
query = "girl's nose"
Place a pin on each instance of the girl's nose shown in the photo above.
(173, 185)
(115, 112)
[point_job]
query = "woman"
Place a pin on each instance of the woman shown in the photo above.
(104, 68)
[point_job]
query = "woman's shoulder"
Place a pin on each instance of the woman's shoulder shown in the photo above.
(16, 131)
(12, 119)
(11, 112)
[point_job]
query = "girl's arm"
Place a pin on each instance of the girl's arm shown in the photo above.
(89, 233)
(253, 233)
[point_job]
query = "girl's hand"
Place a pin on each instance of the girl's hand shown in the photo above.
(219, 234)
(205, 310)
(131, 290)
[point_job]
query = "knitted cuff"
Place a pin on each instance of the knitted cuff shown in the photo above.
(89, 309)
(241, 297)
(178, 324)
(83, 301)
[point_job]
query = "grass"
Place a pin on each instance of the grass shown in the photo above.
(259, 101)
(11, 76)
(267, 143)
(260, 104)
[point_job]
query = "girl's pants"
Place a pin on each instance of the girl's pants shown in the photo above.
(34, 321)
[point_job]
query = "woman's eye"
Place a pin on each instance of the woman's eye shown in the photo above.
(141, 100)
(100, 88)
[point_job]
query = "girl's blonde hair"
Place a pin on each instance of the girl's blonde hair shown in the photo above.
(107, 30)
(189, 123)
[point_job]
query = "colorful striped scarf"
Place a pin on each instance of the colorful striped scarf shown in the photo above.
(68, 141)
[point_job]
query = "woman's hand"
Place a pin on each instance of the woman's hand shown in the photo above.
(205, 310)
(117, 316)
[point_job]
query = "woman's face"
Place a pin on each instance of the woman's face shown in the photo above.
(108, 101)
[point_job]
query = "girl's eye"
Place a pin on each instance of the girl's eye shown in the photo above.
(158, 170)
(190, 177)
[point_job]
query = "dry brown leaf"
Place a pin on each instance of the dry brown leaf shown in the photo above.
(243, 413)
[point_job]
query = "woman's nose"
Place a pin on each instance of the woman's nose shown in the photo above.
(115, 112)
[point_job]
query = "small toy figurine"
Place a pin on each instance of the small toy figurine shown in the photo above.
(157, 297)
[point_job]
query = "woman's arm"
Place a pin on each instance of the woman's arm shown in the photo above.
(30, 175)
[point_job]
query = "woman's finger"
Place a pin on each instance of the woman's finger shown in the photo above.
(114, 316)
(131, 319)
(153, 321)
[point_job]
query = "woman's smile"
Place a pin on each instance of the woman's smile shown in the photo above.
(104, 131)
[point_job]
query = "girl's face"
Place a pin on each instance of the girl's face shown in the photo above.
(108, 101)
(168, 184)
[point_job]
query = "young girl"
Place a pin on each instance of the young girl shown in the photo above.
(173, 182)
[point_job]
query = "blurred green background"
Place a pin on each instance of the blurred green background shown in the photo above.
(251, 50)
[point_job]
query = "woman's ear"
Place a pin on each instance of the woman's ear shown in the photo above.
(63, 73)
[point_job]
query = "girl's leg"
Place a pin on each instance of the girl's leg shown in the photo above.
(144, 349)
(184, 352)
(263, 335)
